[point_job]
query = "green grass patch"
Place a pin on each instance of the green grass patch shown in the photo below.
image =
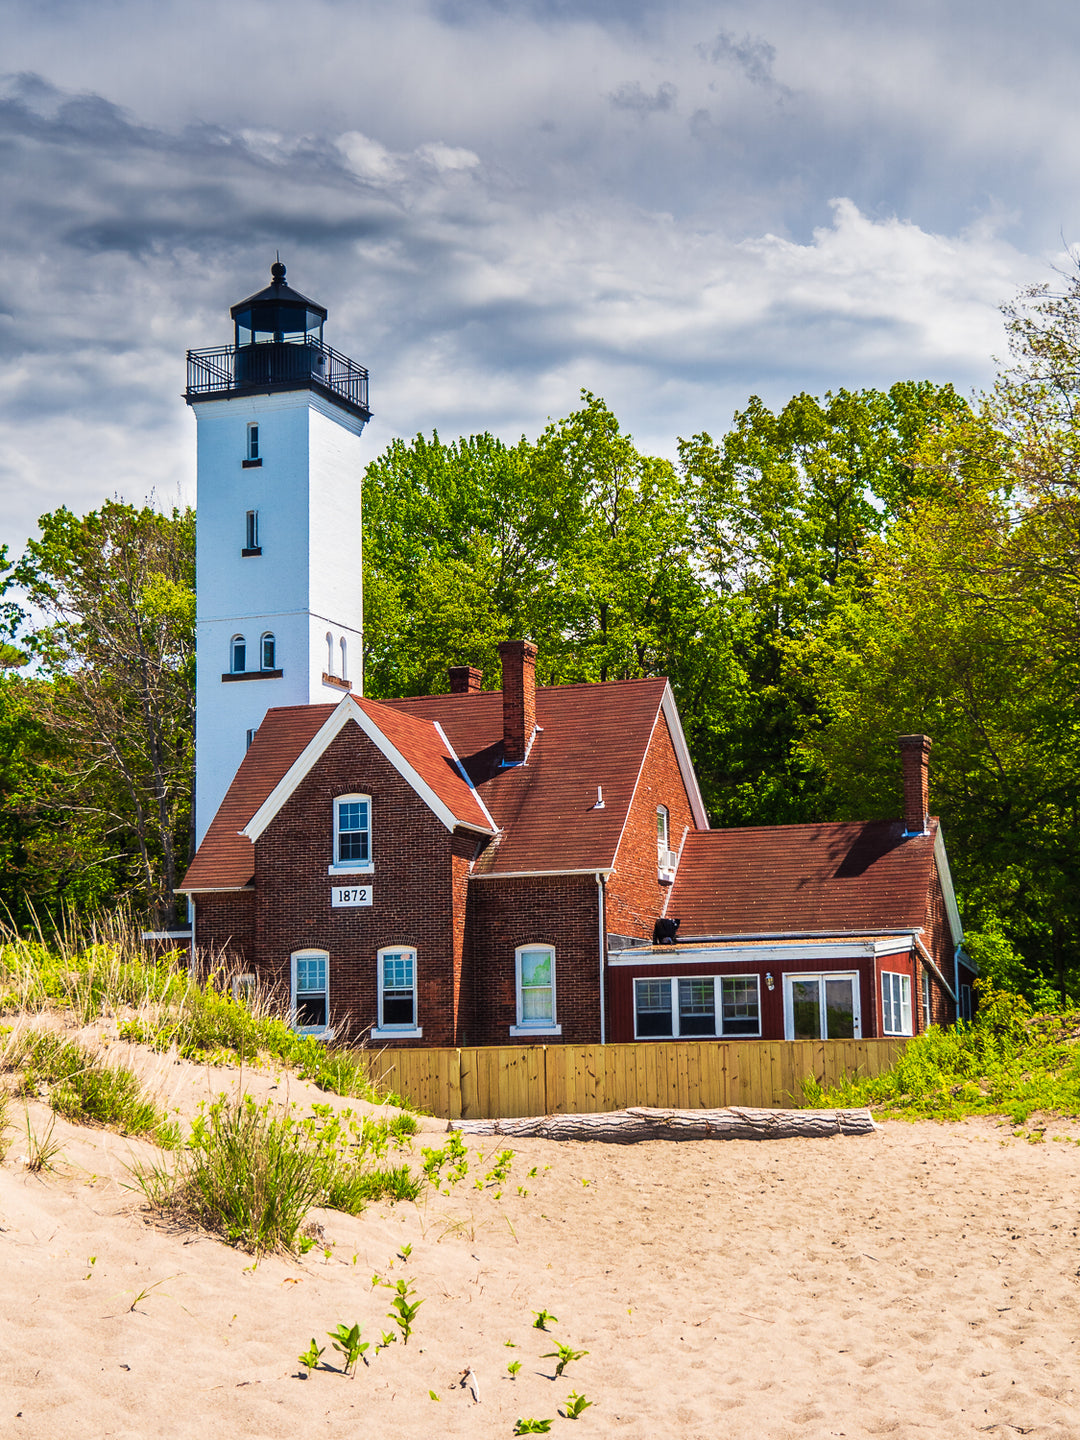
(251, 1172)
(1008, 1061)
(81, 1089)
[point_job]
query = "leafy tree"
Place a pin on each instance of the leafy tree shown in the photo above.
(115, 688)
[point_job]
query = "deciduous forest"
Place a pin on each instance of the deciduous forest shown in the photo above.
(814, 581)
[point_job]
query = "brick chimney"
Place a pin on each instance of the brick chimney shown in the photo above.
(465, 679)
(519, 697)
(915, 757)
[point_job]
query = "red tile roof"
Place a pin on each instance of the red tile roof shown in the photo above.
(226, 859)
(804, 879)
(590, 735)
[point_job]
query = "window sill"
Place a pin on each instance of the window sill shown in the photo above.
(535, 1029)
(316, 1032)
(414, 1034)
(253, 675)
(253, 550)
(336, 681)
(350, 869)
(251, 464)
(665, 877)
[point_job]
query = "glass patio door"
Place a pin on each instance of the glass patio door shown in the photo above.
(822, 1007)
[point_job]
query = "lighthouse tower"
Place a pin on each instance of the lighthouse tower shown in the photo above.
(279, 589)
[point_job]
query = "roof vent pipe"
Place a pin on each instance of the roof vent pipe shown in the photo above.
(915, 757)
(519, 698)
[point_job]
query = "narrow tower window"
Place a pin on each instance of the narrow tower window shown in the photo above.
(251, 533)
(344, 658)
(239, 654)
(250, 738)
(329, 653)
(253, 442)
(269, 652)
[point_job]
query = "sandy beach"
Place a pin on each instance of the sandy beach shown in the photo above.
(922, 1281)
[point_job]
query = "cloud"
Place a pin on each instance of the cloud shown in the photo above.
(630, 96)
(752, 55)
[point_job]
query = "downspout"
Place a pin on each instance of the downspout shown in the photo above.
(603, 951)
(956, 977)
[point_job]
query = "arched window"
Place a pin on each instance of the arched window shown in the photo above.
(269, 652)
(311, 992)
(344, 658)
(238, 659)
(329, 653)
(535, 976)
(397, 990)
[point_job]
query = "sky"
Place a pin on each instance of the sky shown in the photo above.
(674, 205)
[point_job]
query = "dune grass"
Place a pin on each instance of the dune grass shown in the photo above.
(1008, 1061)
(251, 1173)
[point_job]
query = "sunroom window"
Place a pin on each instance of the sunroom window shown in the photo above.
(895, 1004)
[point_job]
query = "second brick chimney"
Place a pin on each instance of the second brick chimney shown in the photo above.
(519, 698)
(465, 679)
(915, 755)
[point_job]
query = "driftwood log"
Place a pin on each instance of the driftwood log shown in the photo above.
(625, 1127)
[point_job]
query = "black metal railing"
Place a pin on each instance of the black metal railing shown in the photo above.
(250, 367)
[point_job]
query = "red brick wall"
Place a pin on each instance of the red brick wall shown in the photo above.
(225, 930)
(416, 892)
(634, 895)
(562, 911)
(938, 940)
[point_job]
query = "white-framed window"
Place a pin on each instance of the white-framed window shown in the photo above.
(822, 1007)
(268, 651)
(251, 530)
(895, 1003)
(311, 992)
(329, 653)
(927, 1000)
(535, 982)
(352, 834)
(665, 859)
(252, 442)
(343, 646)
(238, 655)
(689, 1007)
(243, 989)
(397, 992)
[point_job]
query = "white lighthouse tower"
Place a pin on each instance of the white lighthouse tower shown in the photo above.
(279, 588)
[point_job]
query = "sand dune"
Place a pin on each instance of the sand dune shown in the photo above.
(923, 1281)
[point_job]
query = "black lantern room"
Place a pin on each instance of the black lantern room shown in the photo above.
(278, 315)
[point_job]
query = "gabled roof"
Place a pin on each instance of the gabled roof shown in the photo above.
(589, 736)
(286, 746)
(450, 747)
(828, 879)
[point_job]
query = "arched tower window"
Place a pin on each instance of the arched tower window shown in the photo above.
(238, 657)
(329, 653)
(344, 658)
(269, 652)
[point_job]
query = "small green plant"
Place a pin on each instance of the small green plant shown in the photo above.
(387, 1339)
(309, 1358)
(576, 1405)
(564, 1354)
(41, 1151)
(433, 1396)
(403, 1310)
(405, 1252)
(501, 1169)
(513, 1368)
(304, 1243)
(454, 1155)
(346, 1340)
(533, 1427)
(543, 1319)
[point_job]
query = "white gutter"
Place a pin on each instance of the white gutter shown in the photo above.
(538, 874)
(603, 950)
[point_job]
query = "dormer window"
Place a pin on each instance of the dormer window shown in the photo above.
(238, 659)
(352, 833)
(665, 859)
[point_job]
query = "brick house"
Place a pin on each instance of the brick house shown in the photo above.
(486, 867)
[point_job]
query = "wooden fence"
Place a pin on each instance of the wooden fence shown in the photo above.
(507, 1080)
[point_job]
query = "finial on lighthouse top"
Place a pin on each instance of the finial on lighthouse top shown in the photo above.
(277, 271)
